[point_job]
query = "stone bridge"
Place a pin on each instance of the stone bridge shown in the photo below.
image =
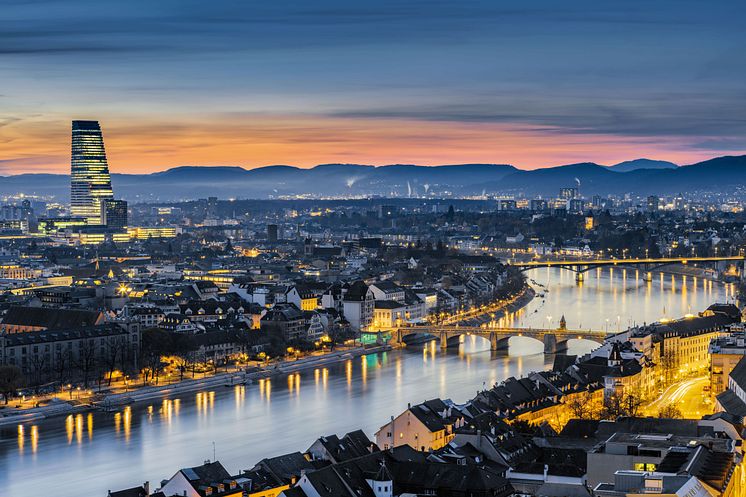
(554, 340)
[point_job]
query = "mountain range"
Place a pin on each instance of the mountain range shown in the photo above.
(641, 176)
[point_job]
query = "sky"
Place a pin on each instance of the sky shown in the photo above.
(251, 83)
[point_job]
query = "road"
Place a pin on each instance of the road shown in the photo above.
(686, 395)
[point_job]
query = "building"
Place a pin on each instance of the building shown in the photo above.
(568, 193)
(387, 290)
(575, 205)
(90, 183)
(286, 320)
(649, 445)
(336, 450)
(358, 306)
(40, 354)
(538, 204)
(272, 235)
(114, 213)
(506, 205)
(690, 470)
(733, 399)
(388, 314)
(426, 427)
(725, 353)
(653, 203)
(19, 319)
(210, 479)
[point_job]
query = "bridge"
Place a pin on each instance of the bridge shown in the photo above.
(554, 340)
(648, 264)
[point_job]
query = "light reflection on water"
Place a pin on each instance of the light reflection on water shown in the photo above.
(286, 413)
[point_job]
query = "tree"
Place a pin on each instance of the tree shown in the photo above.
(621, 405)
(113, 352)
(155, 344)
(670, 411)
(11, 380)
(39, 368)
(87, 359)
(523, 427)
(583, 406)
(184, 347)
(62, 364)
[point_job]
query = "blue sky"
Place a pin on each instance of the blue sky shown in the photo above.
(255, 83)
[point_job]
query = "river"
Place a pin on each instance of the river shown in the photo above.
(88, 454)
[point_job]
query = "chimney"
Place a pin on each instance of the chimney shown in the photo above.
(146, 487)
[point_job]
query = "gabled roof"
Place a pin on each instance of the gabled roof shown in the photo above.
(356, 292)
(287, 466)
(130, 492)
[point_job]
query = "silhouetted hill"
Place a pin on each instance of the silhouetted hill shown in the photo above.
(633, 165)
(189, 182)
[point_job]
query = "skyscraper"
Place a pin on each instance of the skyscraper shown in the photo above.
(89, 176)
(114, 213)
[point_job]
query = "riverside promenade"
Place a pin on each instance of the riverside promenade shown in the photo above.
(113, 401)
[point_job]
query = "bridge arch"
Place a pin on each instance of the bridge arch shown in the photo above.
(554, 344)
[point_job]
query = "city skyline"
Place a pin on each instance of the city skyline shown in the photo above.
(427, 84)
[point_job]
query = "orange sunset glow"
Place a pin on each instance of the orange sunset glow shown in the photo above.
(153, 145)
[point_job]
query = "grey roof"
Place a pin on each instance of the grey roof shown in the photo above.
(357, 291)
(44, 336)
(732, 404)
(738, 374)
(130, 492)
(50, 318)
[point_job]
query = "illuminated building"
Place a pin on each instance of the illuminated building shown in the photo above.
(144, 233)
(425, 427)
(568, 193)
(49, 225)
(114, 213)
(89, 179)
(725, 353)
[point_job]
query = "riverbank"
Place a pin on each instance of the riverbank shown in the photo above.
(518, 302)
(116, 401)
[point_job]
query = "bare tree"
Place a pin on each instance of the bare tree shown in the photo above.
(62, 364)
(39, 368)
(86, 361)
(11, 380)
(621, 405)
(670, 411)
(583, 406)
(113, 351)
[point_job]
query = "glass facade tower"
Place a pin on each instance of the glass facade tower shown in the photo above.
(89, 176)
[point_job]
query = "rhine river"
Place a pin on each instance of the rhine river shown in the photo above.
(91, 453)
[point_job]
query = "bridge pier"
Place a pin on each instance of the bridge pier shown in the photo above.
(579, 277)
(443, 340)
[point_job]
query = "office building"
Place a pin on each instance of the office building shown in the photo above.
(114, 213)
(568, 193)
(272, 232)
(538, 204)
(653, 203)
(89, 176)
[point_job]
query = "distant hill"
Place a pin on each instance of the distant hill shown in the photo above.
(633, 165)
(640, 176)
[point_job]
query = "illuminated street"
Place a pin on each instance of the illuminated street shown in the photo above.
(686, 395)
